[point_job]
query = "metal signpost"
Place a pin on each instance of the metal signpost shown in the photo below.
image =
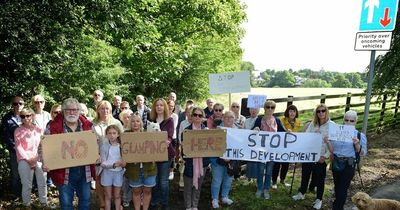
(378, 19)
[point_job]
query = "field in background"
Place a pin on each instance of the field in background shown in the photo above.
(272, 93)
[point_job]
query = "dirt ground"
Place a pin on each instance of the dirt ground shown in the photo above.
(380, 167)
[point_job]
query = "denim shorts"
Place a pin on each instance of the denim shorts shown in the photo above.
(149, 181)
(112, 178)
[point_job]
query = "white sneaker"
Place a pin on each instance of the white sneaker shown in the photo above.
(317, 204)
(298, 196)
(274, 186)
(266, 194)
(285, 184)
(258, 193)
(171, 175)
(227, 201)
(125, 204)
(215, 204)
(93, 185)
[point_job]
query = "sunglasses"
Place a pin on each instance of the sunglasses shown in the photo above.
(39, 102)
(235, 106)
(269, 107)
(17, 103)
(321, 111)
(346, 120)
(97, 95)
(218, 110)
(56, 112)
(25, 116)
(197, 115)
(124, 108)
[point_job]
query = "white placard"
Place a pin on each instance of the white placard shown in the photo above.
(230, 82)
(373, 41)
(343, 133)
(262, 146)
(256, 101)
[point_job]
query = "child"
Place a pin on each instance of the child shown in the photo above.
(141, 176)
(112, 175)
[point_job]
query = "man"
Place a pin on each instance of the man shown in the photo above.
(9, 123)
(75, 179)
(142, 109)
(172, 96)
(42, 117)
(97, 97)
(209, 109)
(346, 151)
(116, 108)
(239, 119)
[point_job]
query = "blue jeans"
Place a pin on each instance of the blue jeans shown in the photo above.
(264, 175)
(76, 183)
(160, 192)
(220, 176)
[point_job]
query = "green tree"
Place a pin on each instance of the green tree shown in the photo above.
(248, 66)
(341, 82)
(283, 79)
(316, 83)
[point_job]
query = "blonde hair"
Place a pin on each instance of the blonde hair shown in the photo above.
(98, 106)
(316, 119)
(133, 116)
(123, 113)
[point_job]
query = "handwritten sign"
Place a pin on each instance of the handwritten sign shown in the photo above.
(256, 101)
(204, 143)
(343, 133)
(69, 149)
(231, 82)
(143, 147)
(262, 146)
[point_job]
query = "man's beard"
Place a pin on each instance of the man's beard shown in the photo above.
(72, 118)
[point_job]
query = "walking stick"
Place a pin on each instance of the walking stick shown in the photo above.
(291, 185)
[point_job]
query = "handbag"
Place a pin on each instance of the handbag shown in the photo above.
(338, 164)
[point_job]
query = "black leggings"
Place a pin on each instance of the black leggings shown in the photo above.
(320, 172)
(283, 167)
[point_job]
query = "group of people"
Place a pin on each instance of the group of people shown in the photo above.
(147, 184)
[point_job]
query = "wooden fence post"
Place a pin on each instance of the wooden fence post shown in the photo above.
(382, 111)
(323, 97)
(289, 101)
(348, 99)
(396, 109)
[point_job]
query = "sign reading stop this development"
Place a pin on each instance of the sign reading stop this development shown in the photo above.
(373, 41)
(69, 149)
(230, 82)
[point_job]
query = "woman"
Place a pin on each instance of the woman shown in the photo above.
(346, 151)
(102, 120)
(216, 119)
(141, 176)
(42, 117)
(268, 123)
(160, 114)
(320, 124)
(184, 124)
(171, 108)
(195, 168)
(220, 170)
(27, 140)
(124, 117)
(291, 122)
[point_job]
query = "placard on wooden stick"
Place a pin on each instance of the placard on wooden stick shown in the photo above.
(69, 149)
(204, 143)
(139, 147)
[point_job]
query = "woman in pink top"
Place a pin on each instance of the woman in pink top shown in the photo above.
(27, 140)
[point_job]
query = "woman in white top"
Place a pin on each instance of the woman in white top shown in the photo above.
(320, 124)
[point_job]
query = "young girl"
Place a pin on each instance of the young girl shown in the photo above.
(141, 176)
(112, 163)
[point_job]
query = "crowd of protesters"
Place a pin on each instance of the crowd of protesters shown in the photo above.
(146, 185)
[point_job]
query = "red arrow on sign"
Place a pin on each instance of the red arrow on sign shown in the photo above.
(385, 21)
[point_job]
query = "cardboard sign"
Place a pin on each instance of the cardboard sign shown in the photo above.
(137, 147)
(343, 133)
(263, 146)
(256, 101)
(204, 143)
(69, 149)
(230, 82)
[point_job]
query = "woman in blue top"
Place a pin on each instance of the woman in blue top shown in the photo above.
(346, 151)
